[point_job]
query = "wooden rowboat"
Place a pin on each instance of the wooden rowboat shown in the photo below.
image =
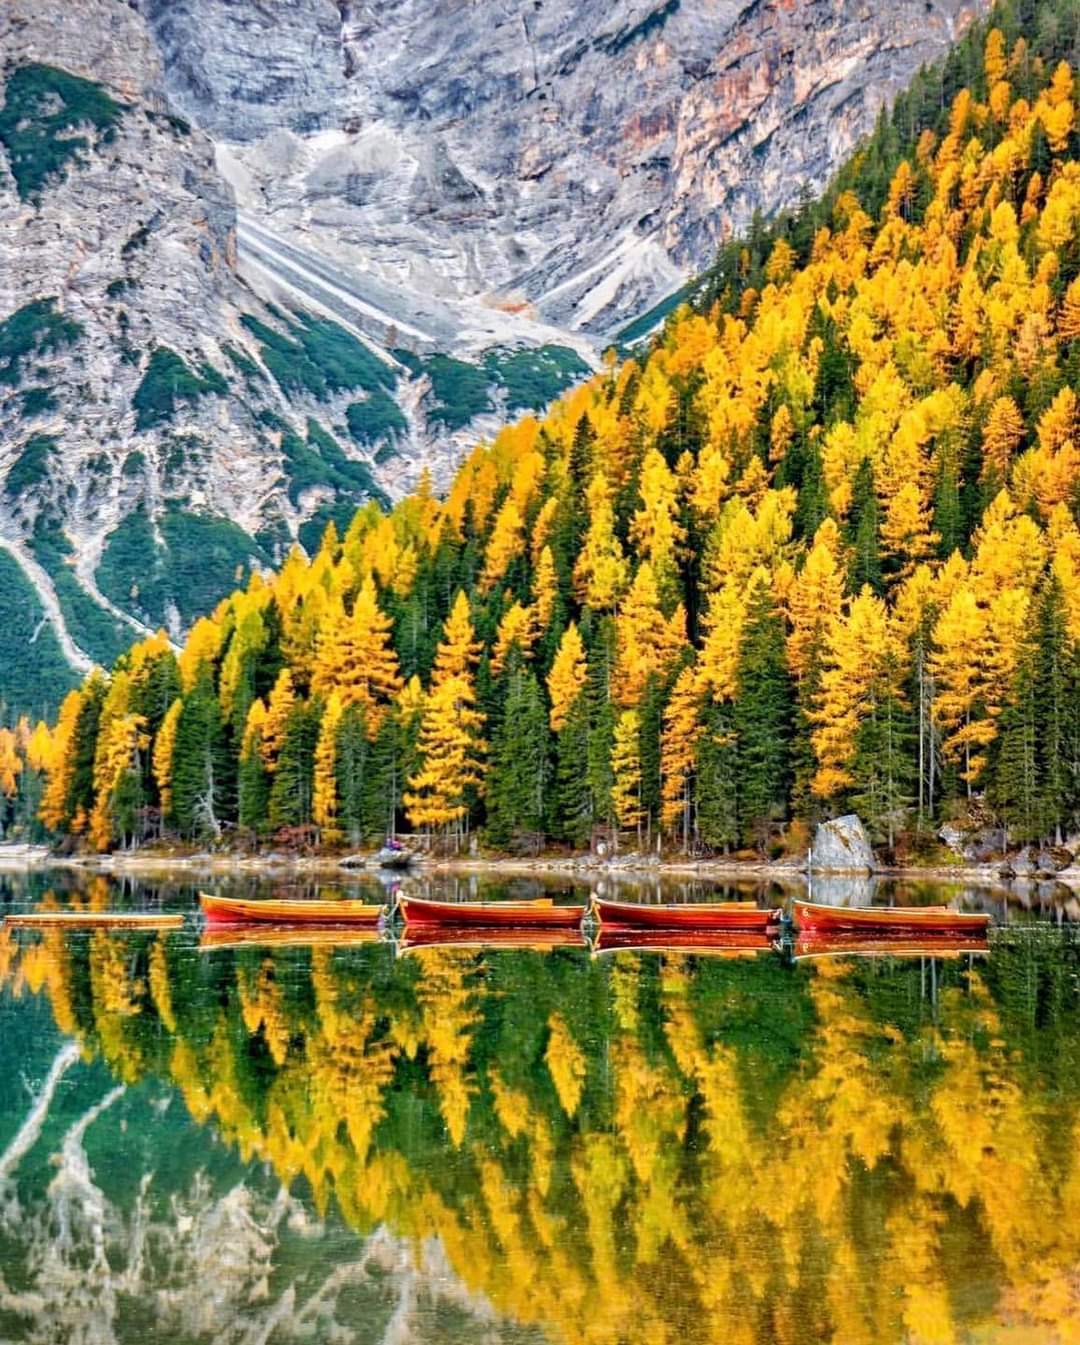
(700, 916)
(887, 920)
(241, 911)
(728, 943)
(541, 913)
(93, 920)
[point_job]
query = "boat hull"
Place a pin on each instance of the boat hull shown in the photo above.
(541, 914)
(886, 921)
(701, 917)
(224, 911)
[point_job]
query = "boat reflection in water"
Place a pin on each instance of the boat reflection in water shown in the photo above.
(536, 1143)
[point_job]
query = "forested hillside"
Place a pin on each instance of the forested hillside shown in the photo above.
(818, 550)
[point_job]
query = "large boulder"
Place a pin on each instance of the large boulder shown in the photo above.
(842, 846)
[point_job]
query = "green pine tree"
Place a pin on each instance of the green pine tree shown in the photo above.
(573, 812)
(717, 779)
(762, 719)
(200, 771)
(292, 787)
(520, 768)
(862, 532)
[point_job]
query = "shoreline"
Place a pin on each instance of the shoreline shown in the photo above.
(631, 869)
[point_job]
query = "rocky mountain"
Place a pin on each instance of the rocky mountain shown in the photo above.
(260, 262)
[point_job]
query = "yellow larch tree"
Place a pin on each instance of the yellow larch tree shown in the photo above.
(1001, 434)
(356, 659)
(816, 596)
(11, 763)
(324, 802)
(626, 770)
(545, 589)
(506, 543)
(450, 746)
(601, 571)
(279, 706)
(459, 649)
(959, 661)
(655, 528)
(54, 801)
(648, 642)
(568, 677)
(862, 668)
(203, 645)
(517, 630)
(164, 748)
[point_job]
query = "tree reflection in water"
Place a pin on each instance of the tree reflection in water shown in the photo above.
(657, 1146)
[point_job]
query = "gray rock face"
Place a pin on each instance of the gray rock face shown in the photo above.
(574, 161)
(841, 845)
(244, 69)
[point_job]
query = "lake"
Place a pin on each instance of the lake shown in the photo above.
(335, 1141)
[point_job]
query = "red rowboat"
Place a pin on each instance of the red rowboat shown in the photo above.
(878, 921)
(240, 911)
(700, 916)
(700, 943)
(855, 943)
(542, 913)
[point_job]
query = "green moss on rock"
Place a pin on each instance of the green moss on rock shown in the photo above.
(167, 382)
(35, 329)
(46, 121)
(34, 674)
(31, 467)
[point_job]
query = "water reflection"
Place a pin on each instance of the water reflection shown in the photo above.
(539, 1142)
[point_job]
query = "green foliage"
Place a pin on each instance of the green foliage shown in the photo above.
(43, 109)
(34, 673)
(167, 382)
(200, 794)
(534, 376)
(292, 787)
(31, 467)
(33, 330)
(80, 796)
(717, 776)
(762, 719)
(322, 462)
(573, 800)
(376, 419)
(459, 391)
(198, 559)
(520, 770)
(36, 402)
(319, 358)
(253, 789)
(96, 631)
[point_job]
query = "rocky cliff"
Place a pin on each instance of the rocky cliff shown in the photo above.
(260, 262)
(565, 161)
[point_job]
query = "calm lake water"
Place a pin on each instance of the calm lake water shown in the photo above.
(338, 1142)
